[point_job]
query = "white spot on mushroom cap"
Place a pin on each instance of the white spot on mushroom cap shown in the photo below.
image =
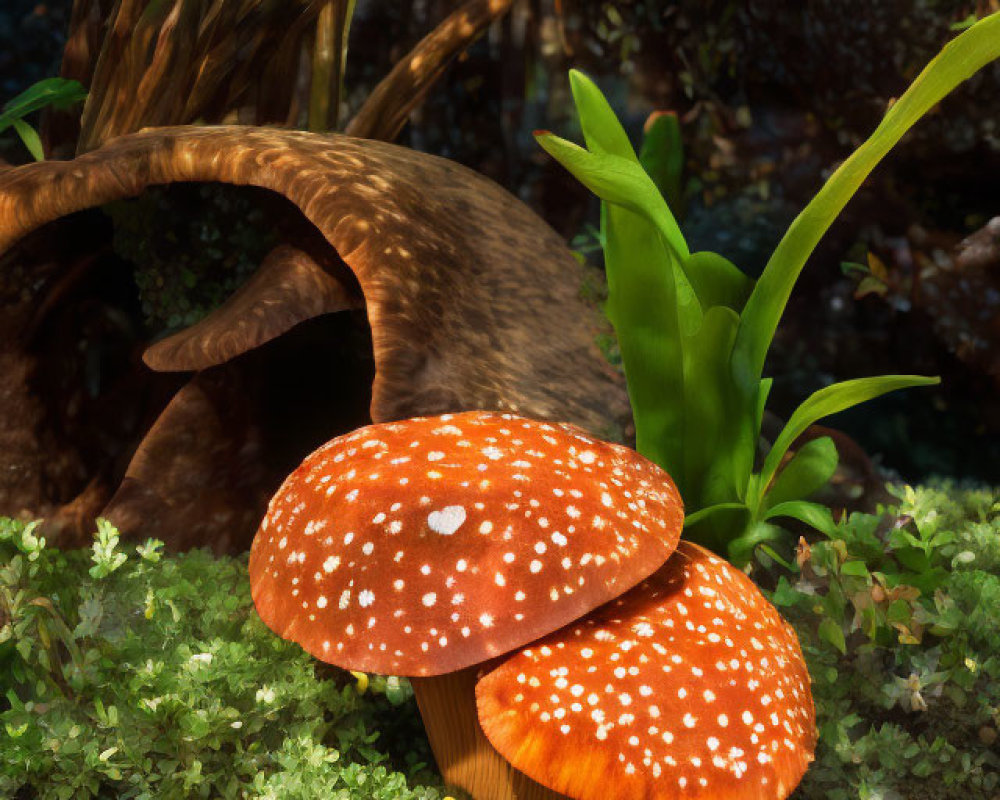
(446, 521)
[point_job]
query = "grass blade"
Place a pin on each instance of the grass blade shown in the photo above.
(958, 61)
(30, 138)
(828, 401)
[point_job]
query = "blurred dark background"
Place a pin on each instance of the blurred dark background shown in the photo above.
(771, 97)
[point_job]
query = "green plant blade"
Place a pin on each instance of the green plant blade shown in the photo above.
(601, 128)
(959, 60)
(763, 390)
(650, 302)
(642, 307)
(717, 281)
(711, 413)
(30, 138)
(831, 400)
(705, 513)
(642, 292)
(662, 156)
(58, 93)
(620, 181)
(812, 514)
(808, 470)
(831, 632)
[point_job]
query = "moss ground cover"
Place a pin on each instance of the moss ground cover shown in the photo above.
(128, 673)
(898, 617)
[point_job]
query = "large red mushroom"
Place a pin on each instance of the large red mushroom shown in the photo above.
(434, 547)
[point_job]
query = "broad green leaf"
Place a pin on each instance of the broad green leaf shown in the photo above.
(662, 156)
(812, 514)
(620, 181)
(710, 414)
(717, 281)
(958, 61)
(649, 302)
(58, 93)
(808, 470)
(30, 138)
(601, 128)
(642, 306)
(831, 400)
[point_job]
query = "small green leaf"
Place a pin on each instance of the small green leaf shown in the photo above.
(808, 470)
(784, 594)
(831, 632)
(857, 569)
(59, 93)
(30, 138)
(899, 612)
(813, 514)
(740, 548)
(662, 156)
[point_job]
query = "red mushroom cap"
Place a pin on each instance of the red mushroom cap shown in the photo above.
(691, 685)
(425, 546)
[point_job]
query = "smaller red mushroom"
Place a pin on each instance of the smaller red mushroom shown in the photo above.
(691, 685)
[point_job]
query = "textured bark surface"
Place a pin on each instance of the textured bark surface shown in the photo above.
(388, 107)
(197, 478)
(288, 288)
(472, 300)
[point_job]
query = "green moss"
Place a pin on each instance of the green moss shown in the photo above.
(899, 619)
(134, 675)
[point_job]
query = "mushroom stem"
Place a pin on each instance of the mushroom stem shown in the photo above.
(463, 753)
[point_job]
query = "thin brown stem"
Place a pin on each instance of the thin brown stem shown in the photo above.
(322, 69)
(463, 753)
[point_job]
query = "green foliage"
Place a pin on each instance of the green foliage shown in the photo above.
(662, 156)
(131, 674)
(694, 331)
(899, 618)
(57, 93)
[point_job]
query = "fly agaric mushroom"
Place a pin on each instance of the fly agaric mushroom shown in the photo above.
(690, 685)
(429, 546)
